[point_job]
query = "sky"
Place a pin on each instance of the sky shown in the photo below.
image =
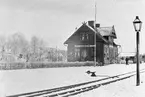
(56, 20)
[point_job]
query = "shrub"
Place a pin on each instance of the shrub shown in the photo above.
(33, 65)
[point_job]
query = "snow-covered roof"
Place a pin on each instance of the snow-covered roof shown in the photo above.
(107, 31)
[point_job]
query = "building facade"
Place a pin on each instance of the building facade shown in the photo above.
(81, 44)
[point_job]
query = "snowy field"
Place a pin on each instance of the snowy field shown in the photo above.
(28, 80)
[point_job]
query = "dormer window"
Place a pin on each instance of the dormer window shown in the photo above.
(84, 36)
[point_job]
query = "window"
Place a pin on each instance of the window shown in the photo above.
(84, 53)
(111, 39)
(77, 52)
(87, 36)
(84, 36)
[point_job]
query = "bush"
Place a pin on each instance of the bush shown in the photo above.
(33, 65)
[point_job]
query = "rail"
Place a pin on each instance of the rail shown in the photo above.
(75, 89)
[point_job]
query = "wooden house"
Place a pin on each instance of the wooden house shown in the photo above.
(81, 44)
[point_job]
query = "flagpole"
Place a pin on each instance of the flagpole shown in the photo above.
(95, 37)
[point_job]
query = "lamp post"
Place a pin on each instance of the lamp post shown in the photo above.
(137, 26)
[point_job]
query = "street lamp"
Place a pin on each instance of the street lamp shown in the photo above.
(137, 26)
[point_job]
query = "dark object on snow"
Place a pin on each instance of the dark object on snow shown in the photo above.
(92, 73)
(88, 72)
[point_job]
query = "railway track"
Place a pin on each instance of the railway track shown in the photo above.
(67, 91)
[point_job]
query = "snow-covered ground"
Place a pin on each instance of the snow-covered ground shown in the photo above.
(28, 80)
(124, 88)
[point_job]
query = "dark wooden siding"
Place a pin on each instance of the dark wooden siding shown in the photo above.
(99, 52)
(70, 52)
(104, 53)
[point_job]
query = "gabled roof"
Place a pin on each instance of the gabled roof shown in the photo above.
(93, 30)
(97, 33)
(107, 31)
(72, 35)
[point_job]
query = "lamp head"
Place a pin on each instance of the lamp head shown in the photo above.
(137, 24)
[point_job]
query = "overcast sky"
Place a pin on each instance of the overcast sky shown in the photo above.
(56, 20)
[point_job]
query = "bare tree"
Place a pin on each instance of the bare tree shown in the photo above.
(37, 48)
(18, 45)
(2, 46)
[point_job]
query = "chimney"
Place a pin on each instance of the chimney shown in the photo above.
(91, 23)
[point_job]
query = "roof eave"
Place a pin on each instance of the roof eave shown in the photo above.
(66, 42)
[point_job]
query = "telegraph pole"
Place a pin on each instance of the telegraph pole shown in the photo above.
(95, 37)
